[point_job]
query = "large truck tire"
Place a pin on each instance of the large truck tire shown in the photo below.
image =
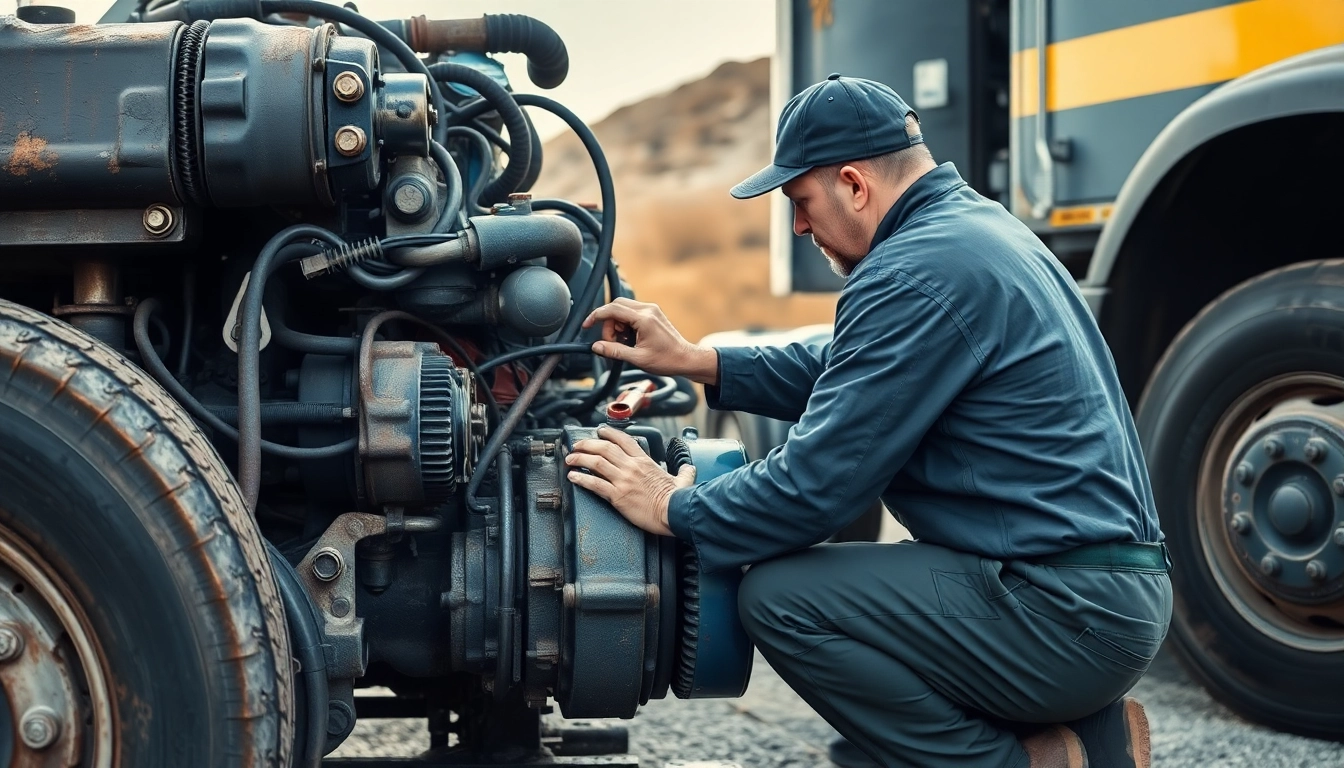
(1242, 425)
(140, 623)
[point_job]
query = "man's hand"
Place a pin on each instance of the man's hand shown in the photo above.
(627, 478)
(659, 349)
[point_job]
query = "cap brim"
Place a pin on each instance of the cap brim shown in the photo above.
(768, 178)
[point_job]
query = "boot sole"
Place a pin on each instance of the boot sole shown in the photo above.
(1139, 744)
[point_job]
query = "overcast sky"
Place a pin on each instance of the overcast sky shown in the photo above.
(620, 51)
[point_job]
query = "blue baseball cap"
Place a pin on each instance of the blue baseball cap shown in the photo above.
(835, 121)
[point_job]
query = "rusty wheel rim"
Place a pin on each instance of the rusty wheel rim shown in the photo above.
(1270, 509)
(52, 669)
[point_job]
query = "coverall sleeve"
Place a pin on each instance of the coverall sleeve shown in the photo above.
(900, 355)
(768, 381)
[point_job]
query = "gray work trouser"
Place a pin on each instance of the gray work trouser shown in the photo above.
(922, 655)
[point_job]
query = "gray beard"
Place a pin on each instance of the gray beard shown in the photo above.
(840, 265)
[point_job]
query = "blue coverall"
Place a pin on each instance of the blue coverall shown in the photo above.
(969, 387)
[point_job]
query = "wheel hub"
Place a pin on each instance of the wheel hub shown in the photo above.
(1280, 506)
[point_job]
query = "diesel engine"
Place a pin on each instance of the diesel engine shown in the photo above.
(305, 243)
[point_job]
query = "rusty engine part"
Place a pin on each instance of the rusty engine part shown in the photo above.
(382, 330)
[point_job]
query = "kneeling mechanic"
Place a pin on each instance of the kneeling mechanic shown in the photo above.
(968, 387)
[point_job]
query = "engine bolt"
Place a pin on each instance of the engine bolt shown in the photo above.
(327, 564)
(1241, 523)
(350, 140)
(340, 607)
(1337, 485)
(548, 500)
(1274, 448)
(410, 198)
(1269, 565)
(40, 728)
(1245, 474)
(1315, 450)
(11, 644)
(1339, 536)
(1316, 571)
(348, 87)
(158, 220)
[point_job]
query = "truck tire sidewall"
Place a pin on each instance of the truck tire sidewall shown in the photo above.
(84, 527)
(124, 500)
(1284, 322)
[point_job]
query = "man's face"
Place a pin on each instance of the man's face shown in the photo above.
(820, 209)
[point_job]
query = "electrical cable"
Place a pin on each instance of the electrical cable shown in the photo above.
(188, 318)
(537, 351)
(520, 138)
(249, 344)
(160, 372)
(506, 426)
(487, 165)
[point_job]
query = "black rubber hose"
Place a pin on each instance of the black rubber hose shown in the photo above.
(500, 437)
(249, 345)
(284, 413)
(375, 32)
(547, 59)
(482, 147)
(188, 319)
(305, 637)
(160, 372)
(571, 328)
(299, 341)
(533, 168)
(520, 137)
(537, 351)
(507, 566)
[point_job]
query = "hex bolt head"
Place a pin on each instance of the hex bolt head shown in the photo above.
(158, 220)
(350, 140)
(1274, 447)
(1316, 571)
(11, 644)
(1338, 536)
(1241, 523)
(327, 564)
(1269, 565)
(1244, 473)
(348, 87)
(1315, 450)
(40, 728)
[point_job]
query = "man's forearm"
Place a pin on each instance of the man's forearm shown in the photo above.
(702, 365)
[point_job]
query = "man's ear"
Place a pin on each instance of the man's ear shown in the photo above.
(852, 180)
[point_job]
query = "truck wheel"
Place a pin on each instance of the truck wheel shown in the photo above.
(1242, 424)
(139, 619)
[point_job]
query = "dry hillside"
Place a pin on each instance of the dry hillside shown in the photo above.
(681, 240)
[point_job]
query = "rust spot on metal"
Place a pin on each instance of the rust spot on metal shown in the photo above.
(30, 154)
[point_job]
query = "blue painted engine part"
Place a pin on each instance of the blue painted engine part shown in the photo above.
(608, 616)
(714, 653)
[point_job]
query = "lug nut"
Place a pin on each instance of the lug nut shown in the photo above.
(1269, 565)
(350, 140)
(1244, 473)
(158, 220)
(348, 87)
(1274, 448)
(11, 644)
(1316, 571)
(327, 564)
(40, 728)
(1315, 450)
(1241, 523)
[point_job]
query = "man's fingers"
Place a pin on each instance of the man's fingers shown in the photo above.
(686, 476)
(618, 312)
(599, 464)
(606, 449)
(627, 443)
(593, 483)
(612, 350)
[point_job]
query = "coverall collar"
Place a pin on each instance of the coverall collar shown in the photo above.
(925, 190)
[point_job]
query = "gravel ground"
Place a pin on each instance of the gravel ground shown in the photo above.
(771, 727)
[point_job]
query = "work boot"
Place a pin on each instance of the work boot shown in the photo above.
(1117, 736)
(1055, 746)
(844, 754)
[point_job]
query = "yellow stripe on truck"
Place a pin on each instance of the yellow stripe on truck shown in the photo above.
(1184, 51)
